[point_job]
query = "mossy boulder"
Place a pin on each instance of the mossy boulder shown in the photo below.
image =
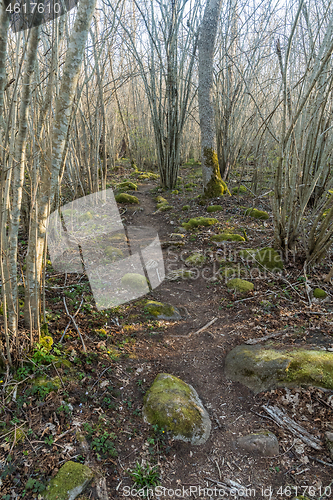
(159, 310)
(257, 214)
(239, 190)
(227, 237)
(318, 293)
(240, 285)
(147, 175)
(247, 253)
(214, 208)
(262, 368)
(268, 258)
(160, 199)
(196, 259)
(71, 480)
(126, 198)
(199, 221)
(126, 186)
(135, 281)
(185, 208)
(215, 186)
(175, 407)
(113, 253)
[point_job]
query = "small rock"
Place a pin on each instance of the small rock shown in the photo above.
(175, 407)
(318, 293)
(263, 443)
(71, 480)
(240, 285)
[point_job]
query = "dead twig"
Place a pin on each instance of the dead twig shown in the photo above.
(74, 323)
(198, 331)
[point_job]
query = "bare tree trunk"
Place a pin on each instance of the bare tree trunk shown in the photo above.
(213, 184)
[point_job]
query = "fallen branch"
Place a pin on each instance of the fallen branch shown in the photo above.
(198, 331)
(270, 336)
(283, 420)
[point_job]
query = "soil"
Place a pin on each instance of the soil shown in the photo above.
(107, 387)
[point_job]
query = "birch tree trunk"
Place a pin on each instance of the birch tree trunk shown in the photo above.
(50, 173)
(213, 184)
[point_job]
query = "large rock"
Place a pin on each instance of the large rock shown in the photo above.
(71, 480)
(263, 443)
(262, 368)
(159, 310)
(174, 406)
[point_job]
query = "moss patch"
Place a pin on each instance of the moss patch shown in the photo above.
(126, 198)
(126, 186)
(257, 214)
(241, 286)
(227, 237)
(196, 259)
(239, 190)
(135, 282)
(180, 274)
(269, 258)
(318, 293)
(186, 207)
(260, 368)
(214, 208)
(174, 406)
(216, 186)
(163, 207)
(71, 480)
(113, 253)
(159, 310)
(199, 221)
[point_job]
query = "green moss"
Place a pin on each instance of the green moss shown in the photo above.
(85, 217)
(71, 480)
(164, 207)
(159, 310)
(247, 253)
(175, 191)
(46, 342)
(160, 199)
(318, 293)
(196, 259)
(268, 258)
(199, 221)
(227, 237)
(257, 214)
(186, 207)
(214, 208)
(216, 186)
(311, 367)
(126, 198)
(126, 186)
(19, 436)
(147, 175)
(113, 253)
(239, 190)
(118, 237)
(180, 274)
(174, 406)
(135, 282)
(239, 285)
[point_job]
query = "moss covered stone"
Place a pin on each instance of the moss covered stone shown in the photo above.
(160, 199)
(216, 186)
(227, 237)
(257, 214)
(214, 208)
(126, 198)
(261, 368)
(71, 480)
(239, 190)
(180, 274)
(199, 221)
(126, 186)
(240, 285)
(113, 253)
(135, 282)
(247, 253)
(186, 207)
(164, 207)
(159, 310)
(147, 175)
(175, 407)
(268, 258)
(196, 259)
(318, 293)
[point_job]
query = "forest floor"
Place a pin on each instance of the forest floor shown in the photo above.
(90, 406)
